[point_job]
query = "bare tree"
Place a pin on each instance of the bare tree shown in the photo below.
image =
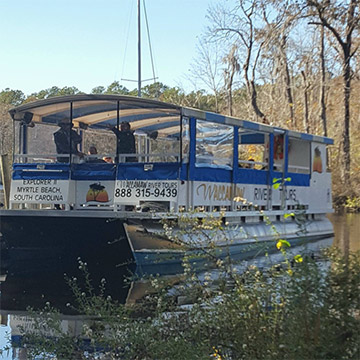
(237, 26)
(322, 83)
(231, 60)
(277, 32)
(206, 68)
(342, 19)
(306, 101)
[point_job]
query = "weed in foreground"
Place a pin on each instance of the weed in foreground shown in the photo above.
(312, 312)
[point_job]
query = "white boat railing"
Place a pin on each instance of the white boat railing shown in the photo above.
(299, 169)
(53, 158)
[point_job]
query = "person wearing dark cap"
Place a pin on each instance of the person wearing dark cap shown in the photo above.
(62, 140)
(125, 140)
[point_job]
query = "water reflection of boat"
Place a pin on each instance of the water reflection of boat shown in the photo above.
(34, 288)
(62, 207)
(20, 291)
(72, 324)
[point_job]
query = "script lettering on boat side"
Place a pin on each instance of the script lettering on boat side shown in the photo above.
(39, 191)
(219, 192)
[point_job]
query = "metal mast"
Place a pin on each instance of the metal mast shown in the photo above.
(139, 51)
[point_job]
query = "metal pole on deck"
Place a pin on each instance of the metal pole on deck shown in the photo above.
(139, 51)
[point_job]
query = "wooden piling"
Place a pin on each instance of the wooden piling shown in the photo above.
(5, 177)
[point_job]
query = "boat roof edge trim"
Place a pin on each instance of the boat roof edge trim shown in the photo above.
(86, 97)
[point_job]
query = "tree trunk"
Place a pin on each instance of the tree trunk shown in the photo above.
(322, 84)
(289, 94)
(287, 80)
(306, 103)
(346, 132)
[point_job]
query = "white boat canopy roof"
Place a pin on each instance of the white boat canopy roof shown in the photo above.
(99, 111)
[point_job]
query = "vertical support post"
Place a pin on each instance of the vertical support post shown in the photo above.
(70, 141)
(192, 161)
(192, 154)
(181, 136)
(23, 139)
(270, 170)
(117, 126)
(235, 167)
(5, 178)
(285, 169)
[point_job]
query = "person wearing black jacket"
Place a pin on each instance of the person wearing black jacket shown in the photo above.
(62, 140)
(125, 141)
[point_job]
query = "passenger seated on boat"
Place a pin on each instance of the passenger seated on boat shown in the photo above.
(108, 159)
(250, 165)
(264, 167)
(62, 140)
(94, 159)
(125, 140)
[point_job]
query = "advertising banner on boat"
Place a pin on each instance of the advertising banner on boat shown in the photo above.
(132, 191)
(95, 193)
(39, 191)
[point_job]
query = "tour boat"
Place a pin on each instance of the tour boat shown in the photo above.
(261, 183)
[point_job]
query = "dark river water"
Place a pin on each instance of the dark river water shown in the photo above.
(34, 288)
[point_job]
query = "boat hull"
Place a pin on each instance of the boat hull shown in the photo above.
(238, 242)
(61, 237)
(60, 241)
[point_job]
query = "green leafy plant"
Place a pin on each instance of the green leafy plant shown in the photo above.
(312, 313)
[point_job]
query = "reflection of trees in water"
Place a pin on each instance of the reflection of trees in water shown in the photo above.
(347, 230)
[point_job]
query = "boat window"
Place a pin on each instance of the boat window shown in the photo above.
(163, 149)
(185, 140)
(299, 156)
(99, 146)
(253, 150)
(154, 129)
(214, 144)
(36, 141)
(41, 146)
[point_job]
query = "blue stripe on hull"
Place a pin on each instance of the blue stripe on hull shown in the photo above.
(171, 262)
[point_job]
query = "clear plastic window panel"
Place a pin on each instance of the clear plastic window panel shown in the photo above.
(99, 146)
(40, 143)
(163, 149)
(185, 140)
(214, 144)
(253, 150)
(299, 156)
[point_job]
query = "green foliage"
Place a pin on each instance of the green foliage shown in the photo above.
(277, 182)
(115, 88)
(11, 97)
(353, 203)
(54, 91)
(98, 90)
(153, 91)
(256, 314)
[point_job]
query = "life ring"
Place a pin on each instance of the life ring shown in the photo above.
(278, 147)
